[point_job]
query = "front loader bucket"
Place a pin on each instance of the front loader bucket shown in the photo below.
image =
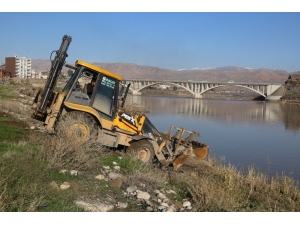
(182, 158)
(200, 150)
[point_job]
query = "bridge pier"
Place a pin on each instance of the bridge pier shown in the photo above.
(277, 94)
(198, 95)
(136, 93)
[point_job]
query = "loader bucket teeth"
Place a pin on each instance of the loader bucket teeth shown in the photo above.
(200, 150)
(182, 158)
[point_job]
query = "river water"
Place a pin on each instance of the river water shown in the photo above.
(245, 133)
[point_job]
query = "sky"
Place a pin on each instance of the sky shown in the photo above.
(153, 36)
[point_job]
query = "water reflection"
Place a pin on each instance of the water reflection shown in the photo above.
(225, 111)
(291, 116)
(246, 133)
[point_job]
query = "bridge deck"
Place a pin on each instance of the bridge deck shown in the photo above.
(197, 88)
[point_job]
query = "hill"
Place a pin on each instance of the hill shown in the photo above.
(221, 74)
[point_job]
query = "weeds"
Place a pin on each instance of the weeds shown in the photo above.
(16, 180)
(10, 132)
(142, 175)
(225, 188)
(24, 184)
(61, 152)
(211, 186)
(11, 106)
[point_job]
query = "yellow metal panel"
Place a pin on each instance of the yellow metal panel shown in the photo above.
(98, 69)
(140, 121)
(123, 124)
(51, 118)
(106, 124)
(124, 139)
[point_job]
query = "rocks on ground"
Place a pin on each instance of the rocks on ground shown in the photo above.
(154, 200)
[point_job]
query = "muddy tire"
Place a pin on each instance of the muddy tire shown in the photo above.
(78, 126)
(142, 150)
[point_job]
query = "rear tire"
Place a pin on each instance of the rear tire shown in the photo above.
(142, 150)
(79, 126)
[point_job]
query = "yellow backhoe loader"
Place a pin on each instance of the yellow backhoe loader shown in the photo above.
(97, 112)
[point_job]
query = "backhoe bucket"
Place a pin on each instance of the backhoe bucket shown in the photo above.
(182, 158)
(200, 150)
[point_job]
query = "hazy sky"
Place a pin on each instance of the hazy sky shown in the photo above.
(169, 40)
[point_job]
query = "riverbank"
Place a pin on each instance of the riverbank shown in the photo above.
(36, 175)
(292, 89)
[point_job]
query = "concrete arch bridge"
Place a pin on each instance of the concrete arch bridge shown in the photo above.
(270, 91)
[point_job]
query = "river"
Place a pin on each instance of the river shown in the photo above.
(245, 133)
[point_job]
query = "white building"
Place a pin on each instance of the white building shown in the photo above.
(18, 66)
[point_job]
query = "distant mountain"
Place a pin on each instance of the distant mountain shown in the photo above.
(40, 65)
(221, 74)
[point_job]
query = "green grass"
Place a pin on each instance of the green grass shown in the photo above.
(124, 162)
(8, 132)
(9, 146)
(10, 91)
(25, 177)
(4, 119)
(7, 92)
(25, 180)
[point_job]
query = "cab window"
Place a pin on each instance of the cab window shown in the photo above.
(104, 98)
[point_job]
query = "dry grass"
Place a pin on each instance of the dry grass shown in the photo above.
(12, 107)
(61, 153)
(61, 150)
(3, 187)
(67, 153)
(215, 187)
(211, 186)
(142, 174)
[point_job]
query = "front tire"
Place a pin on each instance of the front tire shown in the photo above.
(142, 150)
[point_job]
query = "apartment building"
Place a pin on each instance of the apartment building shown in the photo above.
(18, 66)
(2, 66)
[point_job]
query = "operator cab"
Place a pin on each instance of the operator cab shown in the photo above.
(101, 96)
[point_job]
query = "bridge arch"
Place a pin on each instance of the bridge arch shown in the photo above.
(258, 92)
(160, 82)
(197, 88)
(237, 85)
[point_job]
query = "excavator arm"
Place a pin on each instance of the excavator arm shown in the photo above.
(45, 96)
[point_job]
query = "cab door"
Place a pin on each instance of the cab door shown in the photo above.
(105, 95)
